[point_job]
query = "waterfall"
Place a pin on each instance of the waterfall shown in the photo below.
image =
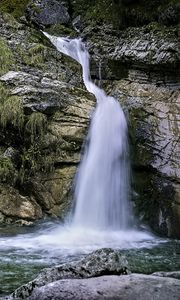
(102, 184)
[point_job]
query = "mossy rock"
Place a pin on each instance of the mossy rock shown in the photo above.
(14, 7)
(35, 56)
(59, 29)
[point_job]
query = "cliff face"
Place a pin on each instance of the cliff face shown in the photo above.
(45, 110)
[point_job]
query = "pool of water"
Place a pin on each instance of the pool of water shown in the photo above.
(25, 251)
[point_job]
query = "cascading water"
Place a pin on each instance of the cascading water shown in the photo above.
(103, 215)
(102, 182)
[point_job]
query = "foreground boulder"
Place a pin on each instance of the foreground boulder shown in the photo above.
(130, 287)
(98, 263)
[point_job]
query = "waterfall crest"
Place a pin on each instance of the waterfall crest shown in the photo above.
(102, 184)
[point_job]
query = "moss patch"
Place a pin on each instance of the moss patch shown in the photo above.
(14, 7)
(36, 126)
(34, 56)
(11, 109)
(124, 13)
(7, 60)
(59, 29)
(8, 172)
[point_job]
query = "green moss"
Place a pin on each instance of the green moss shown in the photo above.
(36, 126)
(14, 7)
(59, 29)
(12, 22)
(34, 56)
(6, 57)
(7, 170)
(122, 13)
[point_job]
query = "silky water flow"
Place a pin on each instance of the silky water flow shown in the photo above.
(102, 181)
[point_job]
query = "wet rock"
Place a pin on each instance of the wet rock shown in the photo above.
(100, 262)
(153, 113)
(47, 12)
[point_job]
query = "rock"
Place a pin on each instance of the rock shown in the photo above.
(16, 206)
(100, 262)
(147, 85)
(129, 287)
(175, 274)
(78, 24)
(140, 66)
(47, 12)
(153, 112)
(43, 81)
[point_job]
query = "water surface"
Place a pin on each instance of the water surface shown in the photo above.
(25, 251)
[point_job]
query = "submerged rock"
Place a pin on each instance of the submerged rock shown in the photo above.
(98, 263)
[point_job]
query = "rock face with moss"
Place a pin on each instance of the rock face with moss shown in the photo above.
(148, 89)
(44, 114)
(45, 111)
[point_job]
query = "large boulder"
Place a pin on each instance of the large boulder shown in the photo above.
(47, 12)
(129, 287)
(98, 263)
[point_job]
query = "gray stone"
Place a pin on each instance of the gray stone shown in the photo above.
(129, 287)
(175, 274)
(47, 12)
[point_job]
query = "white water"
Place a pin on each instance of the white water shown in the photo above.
(102, 182)
(103, 215)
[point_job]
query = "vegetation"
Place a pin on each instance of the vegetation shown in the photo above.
(34, 56)
(36, 126)
(124, 13)
(28, 134)
(11, 109)
(6, 57)
(8, 172)
(57, 29)
(14, 7)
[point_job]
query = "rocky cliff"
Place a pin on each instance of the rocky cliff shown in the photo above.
(45, 110)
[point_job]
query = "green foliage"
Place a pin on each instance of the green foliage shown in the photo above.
(11, 111)
(7, 170)
(14, 7)
(34, 160)
(34, 56)
(36, 126)
(57, 29)
(6, 57)
(33, 157)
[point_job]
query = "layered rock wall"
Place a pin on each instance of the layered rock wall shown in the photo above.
(45, 110)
